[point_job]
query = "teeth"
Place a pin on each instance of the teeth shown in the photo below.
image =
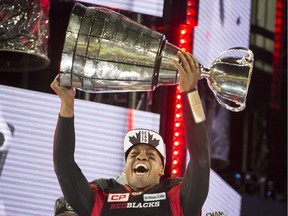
(139, 165)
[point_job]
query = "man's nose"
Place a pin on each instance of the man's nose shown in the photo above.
(142, 155)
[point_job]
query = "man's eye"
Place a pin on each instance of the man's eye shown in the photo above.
(132, 155)
(152, 157)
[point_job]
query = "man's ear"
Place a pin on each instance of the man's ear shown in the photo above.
(162, 171)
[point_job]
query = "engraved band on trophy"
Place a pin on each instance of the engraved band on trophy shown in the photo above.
(105, 51)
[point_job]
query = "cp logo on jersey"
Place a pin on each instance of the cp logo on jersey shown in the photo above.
(119, 197)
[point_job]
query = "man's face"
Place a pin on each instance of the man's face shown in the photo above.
(143, 167)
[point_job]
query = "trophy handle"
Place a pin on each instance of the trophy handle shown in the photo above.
(234, 109)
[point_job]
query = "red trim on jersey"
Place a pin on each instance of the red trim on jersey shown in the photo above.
(99, 197)
(174, 196)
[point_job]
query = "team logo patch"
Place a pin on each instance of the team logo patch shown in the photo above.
(136, 193)
(118, 197)
(154, 197)
(216, 213)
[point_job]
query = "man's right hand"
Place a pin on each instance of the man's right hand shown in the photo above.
(66, 96)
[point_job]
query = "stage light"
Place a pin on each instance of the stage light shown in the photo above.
(177, 124)
(182, 41)
(277, 56)
(183, 31)
(185, 44)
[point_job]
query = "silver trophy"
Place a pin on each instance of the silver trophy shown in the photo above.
(105, 51)
(24, 30)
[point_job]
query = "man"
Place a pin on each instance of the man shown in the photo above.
(145, 156)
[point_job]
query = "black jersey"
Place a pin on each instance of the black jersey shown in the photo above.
(113, 198)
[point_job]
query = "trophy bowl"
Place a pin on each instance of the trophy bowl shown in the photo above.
(229, 77)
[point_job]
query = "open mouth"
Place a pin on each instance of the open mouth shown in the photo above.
(140, 169)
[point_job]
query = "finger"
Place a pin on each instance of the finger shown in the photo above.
(194, 64)
(180, 68)
(197, 66)
(184, 62)
(189, 59)
(55, 79)
(55, 83)
(195, 61)
(58, 78)
(177, 65)
(181, 71)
